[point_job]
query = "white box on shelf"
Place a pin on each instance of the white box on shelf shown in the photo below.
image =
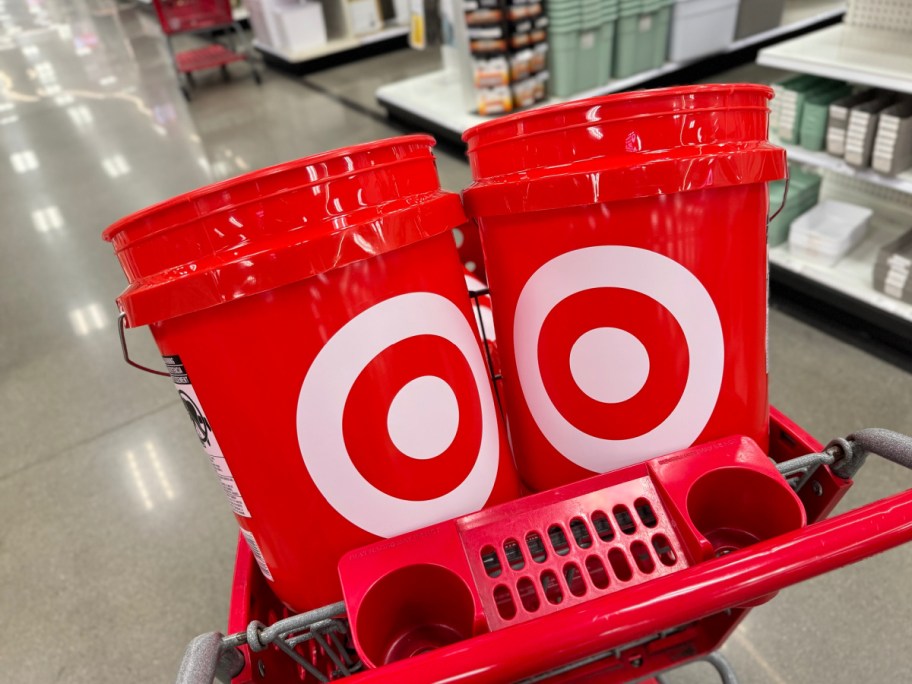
(829, 231)
(300, 27)
(701, 27)
(364, 16)
(264, 22)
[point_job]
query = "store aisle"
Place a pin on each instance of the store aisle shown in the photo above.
(116, 543)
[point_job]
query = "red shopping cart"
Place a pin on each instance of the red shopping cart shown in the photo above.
(205, 18)
(696, 539)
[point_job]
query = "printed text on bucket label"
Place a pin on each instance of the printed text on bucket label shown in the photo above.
(205, 434)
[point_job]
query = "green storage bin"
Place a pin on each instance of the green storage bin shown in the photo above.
(606, 51)
(641, 39)
(563, 61)
(792, 109)
(661, 31)
(804, 191)
(814, 117)
(587, 75)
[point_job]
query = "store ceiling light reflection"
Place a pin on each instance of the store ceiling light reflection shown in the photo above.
(115, 166)
(24, 161)
(149, 463)
(88, 319)
(47, 220)
(80, 115)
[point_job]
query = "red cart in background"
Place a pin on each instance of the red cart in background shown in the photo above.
(211, 18)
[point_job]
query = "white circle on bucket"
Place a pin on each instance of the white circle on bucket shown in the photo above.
(423, 418)
(321, 405)
(609, 364)
(658, 277)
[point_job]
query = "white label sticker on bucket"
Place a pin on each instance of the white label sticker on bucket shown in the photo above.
(257, 554)
(587, 40)
(205, 434)
(645, 23)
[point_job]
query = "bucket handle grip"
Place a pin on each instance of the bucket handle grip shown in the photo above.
(121, 332)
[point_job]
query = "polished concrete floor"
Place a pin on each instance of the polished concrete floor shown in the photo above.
(116, 544)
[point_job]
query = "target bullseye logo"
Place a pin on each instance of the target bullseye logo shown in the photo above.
(423, 419)
(609, 365)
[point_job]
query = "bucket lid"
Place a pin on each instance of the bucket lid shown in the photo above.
(617, 129)
(279, 225)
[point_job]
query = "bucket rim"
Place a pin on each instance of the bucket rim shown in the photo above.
(124, 223)
(639, 95)
(702, 168)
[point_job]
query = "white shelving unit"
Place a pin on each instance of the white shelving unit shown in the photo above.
(874, 57)
(430, 99)
(288, 34)
(851, 275)
(822, 160)
(333, 46)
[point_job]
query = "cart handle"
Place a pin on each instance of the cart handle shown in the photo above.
(609, 622)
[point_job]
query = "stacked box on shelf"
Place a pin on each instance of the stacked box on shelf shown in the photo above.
(507, 41)
(565, 24)
(803, 192)
(893, 144)
(892, 268)
(814, 115)
(862, 128)
(581, 38)
(794, 94)
(528, 51)
(701, 27)
(838, 120)
(757, 16)
(641, 43)
(828, 231)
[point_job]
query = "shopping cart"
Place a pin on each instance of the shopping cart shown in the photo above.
(211, 18)
(636, 631)
(685, 579)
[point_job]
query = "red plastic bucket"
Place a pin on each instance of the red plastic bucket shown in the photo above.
(625, 245)
(315, 317)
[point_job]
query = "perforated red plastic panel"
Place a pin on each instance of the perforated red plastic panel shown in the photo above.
(566, 552)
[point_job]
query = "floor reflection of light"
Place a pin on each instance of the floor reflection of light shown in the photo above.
(44, 73)
(108, 80)
(115, 166)
(139, 481)
(87, 319)
(159, 471)
(80, 115)
(47, 219)
(64, 100)
(9, 120)
(24, 161)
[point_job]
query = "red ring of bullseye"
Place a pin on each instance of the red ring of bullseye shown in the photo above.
(647, 320)
(364, 421)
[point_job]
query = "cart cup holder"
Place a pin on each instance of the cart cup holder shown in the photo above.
(412, 610)
(734, 507)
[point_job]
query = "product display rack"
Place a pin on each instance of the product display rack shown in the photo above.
(864, 55)
(872, 57)
(335, 51)
(426, 102)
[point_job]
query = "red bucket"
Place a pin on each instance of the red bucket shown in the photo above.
(625, 245)
(320, 312)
